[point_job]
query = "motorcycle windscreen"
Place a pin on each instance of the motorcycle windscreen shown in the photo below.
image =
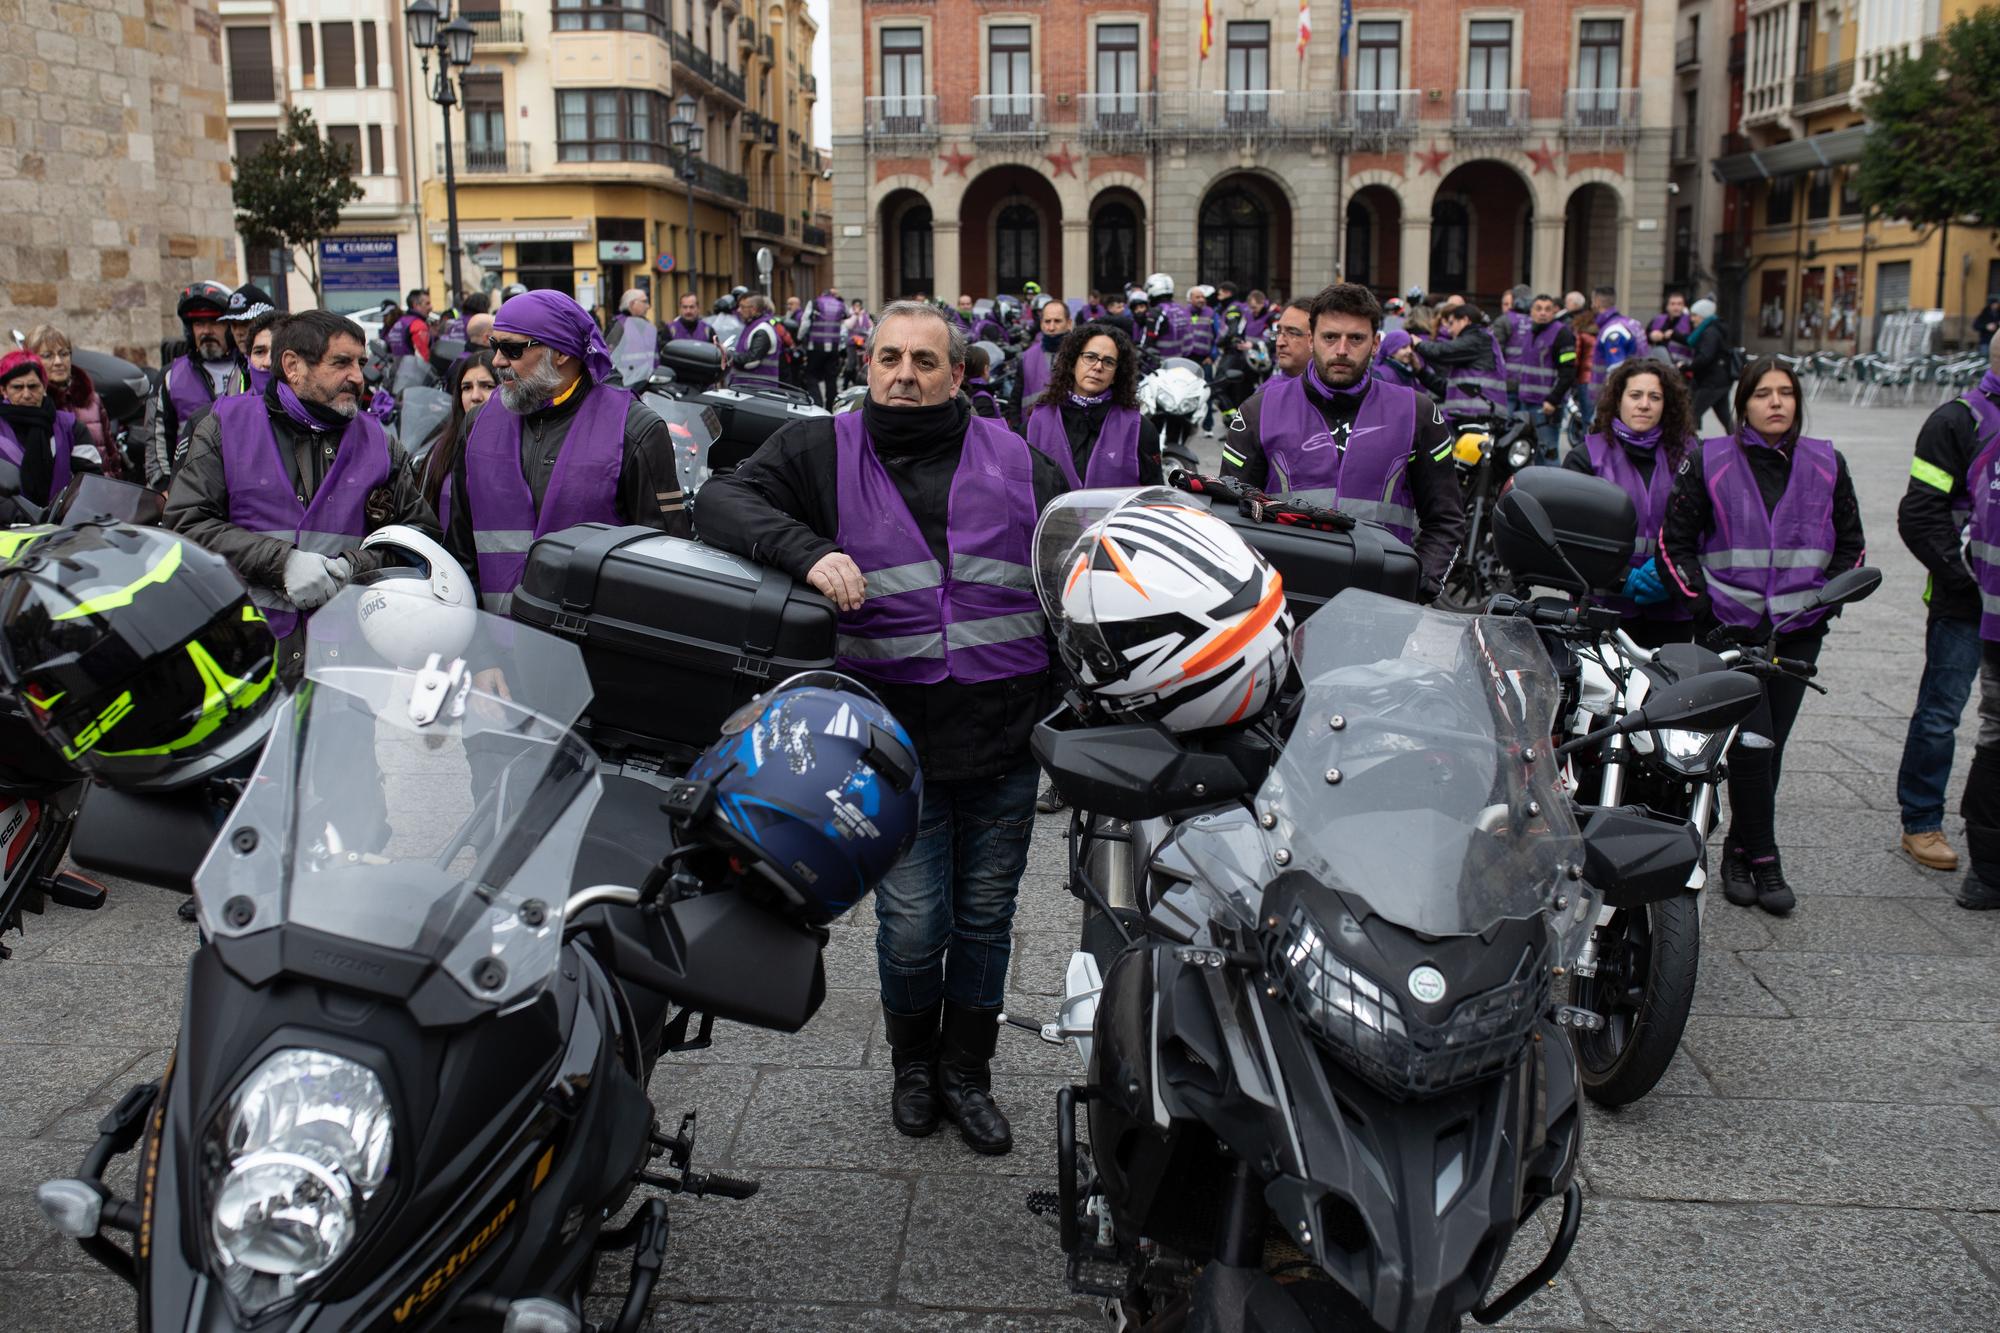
(418, 808)
(1418, 775)
(634, 365)
(412, 372)
(420, 413)
(694, 429)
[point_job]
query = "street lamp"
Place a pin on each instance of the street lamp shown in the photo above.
(452, 40)
(685, 134)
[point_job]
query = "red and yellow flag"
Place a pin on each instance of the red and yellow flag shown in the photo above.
(1207, 26)
(1305, 26)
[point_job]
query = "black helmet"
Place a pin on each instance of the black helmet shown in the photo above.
(725, 305)
(207, 299)
(137, 654)
(739, 291)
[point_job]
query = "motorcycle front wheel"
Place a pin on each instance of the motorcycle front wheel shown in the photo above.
(1644, 987)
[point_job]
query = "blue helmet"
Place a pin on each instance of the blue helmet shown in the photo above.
(819, 785)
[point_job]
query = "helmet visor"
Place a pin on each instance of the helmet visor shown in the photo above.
(1066, 550)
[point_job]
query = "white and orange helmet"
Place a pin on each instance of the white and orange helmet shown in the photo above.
(1160, 610)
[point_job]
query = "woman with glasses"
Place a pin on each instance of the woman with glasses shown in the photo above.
(1087, 418)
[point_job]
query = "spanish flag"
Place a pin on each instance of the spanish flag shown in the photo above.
(1207, 26)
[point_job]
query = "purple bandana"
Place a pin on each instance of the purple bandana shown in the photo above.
(557, 321)
(1635, 439)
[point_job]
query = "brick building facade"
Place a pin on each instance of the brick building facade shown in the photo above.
(114, 154)
(1085, 145)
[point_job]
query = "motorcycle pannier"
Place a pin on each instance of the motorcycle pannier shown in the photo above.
(675, 635)
(1595, 523)
(1316, 565)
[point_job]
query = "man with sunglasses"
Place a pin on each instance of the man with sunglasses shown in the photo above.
(559, 443)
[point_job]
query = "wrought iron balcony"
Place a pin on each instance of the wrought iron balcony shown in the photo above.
(818, 236)
(1108, 120)
(729, 82)
(766, 222)
(708, 176)
(1386, 112)
(1490, 111)
(746, 33)
(1823, 85)
(758, 129)
(495, 29)
(1008, 116)
(1589, 111)
(1685, 52)
(1262, 114)
(487, 159)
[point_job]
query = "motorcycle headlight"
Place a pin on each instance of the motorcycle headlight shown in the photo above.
(1518, 454)
(1690, 753)
(303, 1143)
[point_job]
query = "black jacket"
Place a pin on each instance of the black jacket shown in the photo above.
(35, 430)
(1643, 462)
(1433, 476)
(1691, 515)
(781, 508)
(1946, 446)
(1711, 368)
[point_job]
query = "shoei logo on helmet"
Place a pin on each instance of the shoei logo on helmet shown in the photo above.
(1427, 984)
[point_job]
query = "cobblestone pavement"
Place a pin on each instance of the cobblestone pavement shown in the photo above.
(1824, 1155)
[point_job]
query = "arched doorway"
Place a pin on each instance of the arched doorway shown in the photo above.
(1117, 250)
(1482, 234)
(1374, 244)
(908, 265)
(1590, 238)
(1245, 235)
(1009, 233)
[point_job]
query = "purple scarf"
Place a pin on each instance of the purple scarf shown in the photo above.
(1320, 386)
(557, 321)
(1751, 439)
(300, 414)
(1644, 441)
(1079, 400)
(1989, 384)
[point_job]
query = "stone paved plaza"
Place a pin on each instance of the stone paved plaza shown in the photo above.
(1824, 1154)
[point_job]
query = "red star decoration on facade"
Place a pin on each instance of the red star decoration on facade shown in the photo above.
(1433, 159)
(1063, 160)
(955, 161)
(1544, 158)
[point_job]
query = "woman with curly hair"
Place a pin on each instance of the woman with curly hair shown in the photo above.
(1643, 431)
(1087, 419)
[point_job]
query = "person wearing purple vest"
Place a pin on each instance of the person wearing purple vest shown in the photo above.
(1396, 363)
(1543, 368)
(286, 484)
(689, 326)
(1950, 520)
(1054, 324)
(1755, 523)
(1644, 428)
(208, 370)
(35, 435)
(1469, 354)
(916, 517)
(1339, 436)
(1669, 332)
(633, 339)
(559, 444)
(757, 360)
(821, 336)
(1087, 419)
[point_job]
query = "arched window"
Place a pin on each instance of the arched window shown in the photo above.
(1360, 243)
(1114, 248)
(1018, 236)
(1235, 239)
(1451, 246)
(913, 250)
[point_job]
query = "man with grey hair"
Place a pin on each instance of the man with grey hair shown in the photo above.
(757, 360)
(872, 508)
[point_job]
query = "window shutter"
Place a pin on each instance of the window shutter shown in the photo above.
(337, 54)
(250, 65)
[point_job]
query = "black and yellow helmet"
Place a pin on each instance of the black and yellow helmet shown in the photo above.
(136, 654)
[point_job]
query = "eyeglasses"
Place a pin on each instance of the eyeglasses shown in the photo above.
(1098, 359)
(513, 351)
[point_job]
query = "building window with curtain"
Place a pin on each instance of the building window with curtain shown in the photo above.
(1248, 102)
(1010, 78)
(1117, 75)
(1489, 72)
(1599, 71)
(251, 78)
(902, 80)
(612, 125)
(1378, 74)
(612, 16)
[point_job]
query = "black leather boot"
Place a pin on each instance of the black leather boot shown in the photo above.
(1736, 883)
(965, 1079)
(913, 1051)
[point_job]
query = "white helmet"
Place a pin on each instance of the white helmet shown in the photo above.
(418, 603)
(1160, 287)
(1160, 609)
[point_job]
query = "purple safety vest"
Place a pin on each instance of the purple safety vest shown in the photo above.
(1679, 353)
(1474, 391)
(1173, 327)
(1370, 478)
(824, 333)
(1533, 366)
(1034, 371)
(188, 390)
(1983, 485)
(1609, 460)
(767, 372)
(583, 489)
(680, 333)
(398, 337)
(921, 623)
(1514, 345)
(61, 439)
(1762, 565)
(1114, 458)
(263, 500)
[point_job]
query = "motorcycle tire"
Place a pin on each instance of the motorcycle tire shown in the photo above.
(1646, 970)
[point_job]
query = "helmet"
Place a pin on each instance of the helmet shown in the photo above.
(418, 603)
(1031, 288)
(1393, 306)
(208, 299)
(246, 303)
(816, 785)
(1161, 611)
(1415, 296)
(138, 654)
(725, 304)
(739, 291)
(1160, 287)
(1137, 297)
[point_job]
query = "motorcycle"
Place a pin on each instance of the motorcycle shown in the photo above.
(743, 417)
(1639, 967)
(409, 1089)
(1487, 452)
(1173, 399)
(1325, 1081)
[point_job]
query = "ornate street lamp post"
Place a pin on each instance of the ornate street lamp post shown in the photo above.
(433, 29)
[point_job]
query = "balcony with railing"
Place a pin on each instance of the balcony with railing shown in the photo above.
(705, 67)
(816, 236)
(1381, 112)
(1255, 113)
(808, 84)
(1489, 112)
(766, 222)
(1109, 120)
(1594, 112)
(900, 121)
(1682, 147)
(1008, 117)
(759, 129)
(487, 159)
(767, 50)
(1828, 86)
(1687, 52)
(708, 176)
(496, 30)
(746, 33)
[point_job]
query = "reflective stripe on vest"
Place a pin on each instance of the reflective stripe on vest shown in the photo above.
(1472, 391)
(1763, 562)
(1370, 477)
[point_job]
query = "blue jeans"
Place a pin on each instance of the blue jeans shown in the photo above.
(947, 909)
(1951, 662)
(1548, 437)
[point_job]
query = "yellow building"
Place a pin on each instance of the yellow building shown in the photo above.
(567, 168)
(1815, 270)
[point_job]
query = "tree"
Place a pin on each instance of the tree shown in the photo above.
(1932, 155)
(290, 192)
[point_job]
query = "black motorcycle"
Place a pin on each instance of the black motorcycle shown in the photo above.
(409, 1089)
(1487, 452)
(1327, 1076)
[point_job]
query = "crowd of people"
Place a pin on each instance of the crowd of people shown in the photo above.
(914, 514)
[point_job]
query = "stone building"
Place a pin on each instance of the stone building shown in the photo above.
(989, 142)
(114, 166)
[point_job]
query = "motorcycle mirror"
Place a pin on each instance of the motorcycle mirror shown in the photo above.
(1851, 585)
(1708, 702)
(10, 478)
